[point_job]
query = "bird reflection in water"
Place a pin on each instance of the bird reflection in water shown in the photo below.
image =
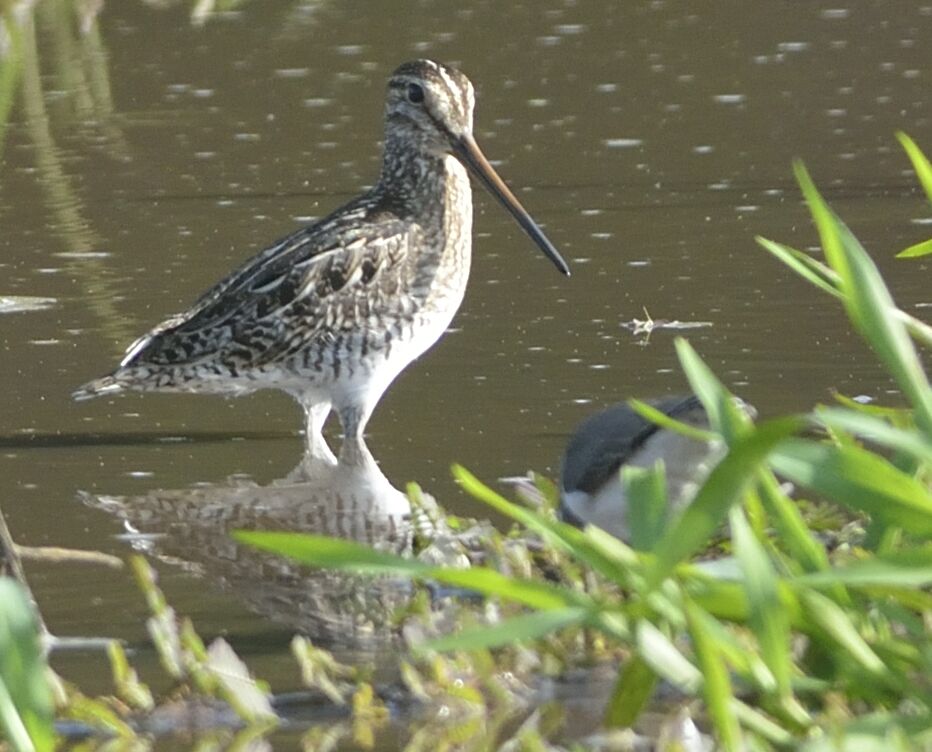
(347, 497)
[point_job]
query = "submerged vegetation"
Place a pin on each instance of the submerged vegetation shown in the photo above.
(785, 636)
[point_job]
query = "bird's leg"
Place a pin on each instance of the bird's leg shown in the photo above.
(354, 418)
(315, 444)
(355, 453)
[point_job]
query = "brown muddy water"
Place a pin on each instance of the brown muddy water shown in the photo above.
(144, 153)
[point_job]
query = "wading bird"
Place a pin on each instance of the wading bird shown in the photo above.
(334, 312)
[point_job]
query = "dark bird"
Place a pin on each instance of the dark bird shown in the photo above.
(590, 480)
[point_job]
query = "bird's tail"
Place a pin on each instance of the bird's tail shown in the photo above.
(111, 384)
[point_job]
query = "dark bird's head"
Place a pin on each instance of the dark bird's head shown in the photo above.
(430, 109)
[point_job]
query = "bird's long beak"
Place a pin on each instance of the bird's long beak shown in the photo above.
(471, 155)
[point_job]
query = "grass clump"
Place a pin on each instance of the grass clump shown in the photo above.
(26, 707)
(797, 640)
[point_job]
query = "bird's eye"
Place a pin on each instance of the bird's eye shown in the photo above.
(415, 93)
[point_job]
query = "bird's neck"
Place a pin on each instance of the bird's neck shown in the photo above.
(434, 193)
(417, 180)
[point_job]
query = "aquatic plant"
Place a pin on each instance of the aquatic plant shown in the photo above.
(924, 173)
(26, 708)
(799, 639)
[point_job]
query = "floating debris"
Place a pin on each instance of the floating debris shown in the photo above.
(647, 325)
(20, 303)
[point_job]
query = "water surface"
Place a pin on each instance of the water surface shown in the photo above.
(144, 155)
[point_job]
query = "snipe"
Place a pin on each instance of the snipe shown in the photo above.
(332, 313)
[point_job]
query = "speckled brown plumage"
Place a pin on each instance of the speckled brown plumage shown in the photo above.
(333, 312)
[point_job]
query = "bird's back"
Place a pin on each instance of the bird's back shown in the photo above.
(605, 441)
(293, 297)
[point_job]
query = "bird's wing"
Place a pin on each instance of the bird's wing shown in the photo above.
(301, 276)
(608, 439)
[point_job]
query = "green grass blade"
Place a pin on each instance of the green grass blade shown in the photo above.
(724, 600)
(665, 421)
(26, 710)
(632, 692)
(733, 646)
(723, 488)
(920, 162)
(827, 226)
(647, 504)
(805, 266)
(659, 652)
(854, 477)
(868, 302)
(350, 556)
(716, 684)
(128, 687)
(883, 327)
(911, 569)
(11, 722)
(767, 617)
(604, 559)
(761, 725)
(878, 732)
(918, 250)
(793, 532)
(331, 553)
(101, 717)
(877, 431)
(826, 279)
(919, 330)
(724, 416)
(517, 629)
(613, 622)
(729, 601)
(833, 620)
(489, 582)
